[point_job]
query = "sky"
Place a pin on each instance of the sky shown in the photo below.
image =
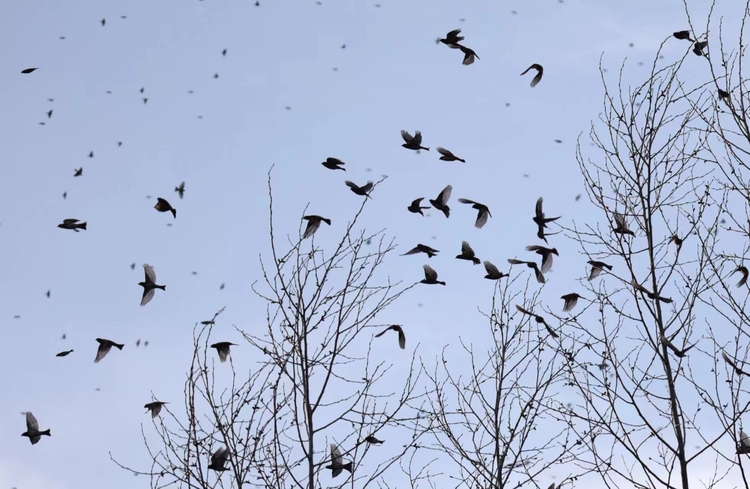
(288, 94)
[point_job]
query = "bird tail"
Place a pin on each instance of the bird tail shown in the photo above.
(118, 346)
(476, 261)
(461, 160)
(45, 432)
(327, 221)
(82, 226)
(162, 287)
(174, 212)
(347, 467)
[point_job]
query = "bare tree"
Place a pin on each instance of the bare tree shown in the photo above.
(320, 380)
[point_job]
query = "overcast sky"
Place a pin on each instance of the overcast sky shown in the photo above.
(222, 138)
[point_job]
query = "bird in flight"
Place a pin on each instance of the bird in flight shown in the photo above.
(337, 462)
(32, 429)
(180, 190)
(539, 73)
(415, 206)
(483, 212)
(72, 224)
(334, 164)
(149, 284)
(313, 223)
(399, 330)
(163, 206)
(413, 142)
(104, 347)
(441, 202)
(222, 348)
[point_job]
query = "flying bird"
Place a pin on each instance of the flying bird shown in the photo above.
(222, 348)
(539, 73)
(430, 276)
(441, 202)
(163, 206)
(492, 272)
(337, 462)
(683, 35)
(621, 227)
(467, 253)
(546, 254)
(744, 272)
(224, 52)
(363, 190)
(78, 172)
(313, 223)
(180, 190)
(744, 443)
(539, 320)
(452, 39)
(415, 206)
(104, 347)
(32, 429)
(541, 220)
(49, 114)
(725, 97)
(698, 48)
(399, 330)
(570, 301)
(64, 353)
(448, 156)
(420, 248)
(679, 353)
(530, 264)
(597, 267)
(91, 154)
(219, 460)
(651, 295)
(72, 224)
(29, 70)
(155, 407)
(149, 284)
(374, 441)
(732, 364)
(334, 164)
(483, 212)
(413, 142)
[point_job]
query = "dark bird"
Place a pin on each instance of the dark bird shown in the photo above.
(64, 353)
(744, 443)
(467, 253)
(683, 35)
(72, 224)
(337, 462)
(313, 223)
(132, 266)
(104, 21)
(163, 206)
(744, 272)
(154, 407)
(32, 429)
(65, 195)
(724, 96)
(224, 52)
(539, 73)
(374, 441)
(430, 276)
(441, 202)
(448, 156)
(91, 154)
(492, 272)
(49, 292)
(621, 227)
(145, 100)
(483, 212)
(413, 142)
(676, 240)
(651, 295)
(222, 348)
(469, 54)
(363, 190)
(29, 70)
(541, 220)
(679, 353)
(399, 330)
(546, 254)
(180, 189)
(597, 267)
(49, 114)
(415, 206)
(452, 39)
(539, 320)
(732, 364)
(698, 48)
(149, 284)
(219, 460)
(104, 347)
(78, 172)
(420, 248)
(570, 301)
(530, 264)
(334, 164)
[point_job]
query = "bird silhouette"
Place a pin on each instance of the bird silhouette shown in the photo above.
(72, 224)
(430, 276)
(539, 320)
(546, 254)
(467, 253)
(413, 142)
(420, 248)
(64, 353)
(364, 190)
(104, 347)
(163, 206)
(223, 349)
(597, 267)
(492, 272)
(374, 441)
(441, 201)
(154, 407)
(180, 190)
(334, 164)
(448, 156)
(337, 462)
(469, 55)
(539, 73)
(538, 273)
(679, 353)
(621, 227)
(415, 206)
(32, 429)
(570, 301)
(313, 223)
(683, 36)
(483, 212)
(541, 220)
(78, 172)
(29, 70)
(219, 460)
(732, 364)
(698, 48)
(744, 272)
(399, 330)
(149, 284)
(451, 39)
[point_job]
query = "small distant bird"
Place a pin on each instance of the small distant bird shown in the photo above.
(49, 292)
(683, 35)
(78, 172)
(363, 190)
(413, 142)
(676, 240)
(698, 48)
(597, 267)
(546, 254)
(420, 248)
(313, 223)
(541, 220)
(448, 156)
(451, 39)
(180, 189)
(732, 364)
(337, 462)
(163, 206)
(430, 276)
(467, 253)
(679, 353)
(91, 154)
(374, 441)
(32, 429)
(539, 73)
(539, 320)
(224, 52)
(621, 227)
(206, 323)
(399, 330)
(415, 206)
(538, 273)
(469, 54)
(29, 70)
(441, 202)
(334, 164)
(222, 348)
(570, 301)
(492, 272)
(649, 294)
(744, 272)
(132, 266)
(154, 407)
(149, 284)
(64, 353)
(145, 100)
(65, 195)
(49, 114)
(483, 212)
(104, 347)
(219, 460)
(221, 287)
(725, 97)
(72, 224)
(104, 21)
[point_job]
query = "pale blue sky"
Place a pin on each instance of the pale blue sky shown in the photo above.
(391, 76)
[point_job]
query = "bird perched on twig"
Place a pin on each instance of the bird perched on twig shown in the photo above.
(492, 272)
(539, 320)
(570, 301)
(448, 156)
(163, 206)
(546, 254)
(334, 164)
(313, 223)
(539, 73)
(597, 267)
(219, 460)
(430, 276)
(399, 330)
(32, 429)
(420, 248)
(104, 347)
(149, 284)
(415, 206)
(72, 224)
(222, 348)
(337, 462)
(441, 201)
(180, 189)
(467, 253)
(483, 212)
(364, 190)
(538, 273)
(413, 142)
(155, 407)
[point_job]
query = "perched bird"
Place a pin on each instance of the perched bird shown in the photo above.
(483, 212)
(441, 201)
(420, 248)
(467, 253)
(452, 39)
(597, 267)
(679, 353)
(155, 407)
(683, 35)
(337, 462)
(78, 172)
(541, 220)
(744, 272)
(222, 348)
(676, 240)
(363, 190)
(413, 142)
(546, 254)
(219, 460)
(29, 70)
(732, 364)
(415, 206)
(104, 347)
(698, 48)
(64, 353)
(570, 301)
(492, 272)
(448, 156)
(374, 441)
(149, 284)
(163, 206)
(651, 295)
(538, 273)
(72, 224)
(32, 429)
(180, 190)
(539, 320)
(399, 330)
(539, 73)
(313, 223)
(430, 276)
(621, 227)
(334, 164)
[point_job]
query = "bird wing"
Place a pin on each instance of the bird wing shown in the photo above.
(453, 33)
(31, 422)
(521, 309)
(407, 137)
(312, 226)
(70, 221)
(102, 351)
(417, 202)
(466, 201)
(445, 195)
(538, 211)
(150, 274)
(148, 294)
(401, 338)
(352, 185)
(466, 248)
(620, 221)
(417, 137)
(536, 79)
(335, 455)
(383, 332)
(444, 151)
(491, 269)
(367, 187)
(482, 217)
(430, 273)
